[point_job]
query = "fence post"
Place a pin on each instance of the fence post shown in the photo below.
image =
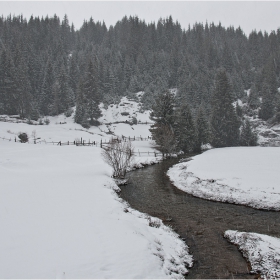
(15, 139)
(68, 142)
(139, 153)
(101, 143)
(134, 137)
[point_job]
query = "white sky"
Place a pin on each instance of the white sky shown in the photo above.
(248, 15)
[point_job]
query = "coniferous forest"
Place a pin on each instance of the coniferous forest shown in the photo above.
(47, 67)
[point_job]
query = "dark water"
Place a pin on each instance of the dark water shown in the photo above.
(200, 222)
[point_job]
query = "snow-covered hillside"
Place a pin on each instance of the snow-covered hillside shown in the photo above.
(60, 215)
(268, 131)
(115, 120)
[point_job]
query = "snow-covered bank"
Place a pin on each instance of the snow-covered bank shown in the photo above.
(241, 175)
(262, 251)
(61, 218)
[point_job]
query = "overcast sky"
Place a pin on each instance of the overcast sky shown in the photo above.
(248, 15)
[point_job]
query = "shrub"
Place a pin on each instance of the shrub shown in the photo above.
(118, 154)
(23, 137)
(134, 120)
(68, 113)
(124, 113)
(94, 122)
(46, 121)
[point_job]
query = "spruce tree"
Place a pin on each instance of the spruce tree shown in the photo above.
(80, 104)
(23, 93)
(163, 129)
(267, 106)
(202, 129)
(248, 137)
(253, 99)
(91, 92)
(8, 84)
(224, 122)
(185, 129)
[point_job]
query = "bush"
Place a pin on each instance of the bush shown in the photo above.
(134, 120)
(68, 113)
(277, 117)
(94, 122)
(85, 124)
(118, 154)
(124, 113)
(23, 137)
(46, 121)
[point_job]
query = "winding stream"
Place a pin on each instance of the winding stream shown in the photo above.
(200, 222)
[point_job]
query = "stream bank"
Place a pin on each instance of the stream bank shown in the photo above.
(201, 223)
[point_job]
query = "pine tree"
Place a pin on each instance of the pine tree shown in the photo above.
(23, 94)
(267, 106)
(46, 98)
(65, 95)
(185, 129)
(202, 129)
(80, 104)
(248, 137)
(7, 84)
(91, 92)
(163, 129)
(253, 99)
(224, 122)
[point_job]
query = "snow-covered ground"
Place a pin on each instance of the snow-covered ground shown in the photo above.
(262, 251)
(61, 217)
(241, 175)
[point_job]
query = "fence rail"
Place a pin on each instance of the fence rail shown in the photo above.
(82, 142)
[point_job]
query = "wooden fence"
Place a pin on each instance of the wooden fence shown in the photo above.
(82, 142)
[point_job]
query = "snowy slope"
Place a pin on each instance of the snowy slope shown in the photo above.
(61, 218)
(268, 131)
(243, 175)
(262, 251)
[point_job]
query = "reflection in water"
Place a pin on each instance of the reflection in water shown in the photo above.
(200, 222)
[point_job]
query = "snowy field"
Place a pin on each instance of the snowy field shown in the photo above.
(61, 217)
(262, 251)
(242, 175)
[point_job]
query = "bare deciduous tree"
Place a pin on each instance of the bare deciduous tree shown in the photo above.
(118, 154)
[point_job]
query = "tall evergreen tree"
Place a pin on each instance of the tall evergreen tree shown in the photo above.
(185, 129)
(23, 93)
(202, 129)
(91, 92)
(267, 105)
(80, 104)
(224, 122)
(248, 137)
(163, 129)
(7, 84)
(253, 98)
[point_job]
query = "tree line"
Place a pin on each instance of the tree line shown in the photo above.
(177, 129)
(47, 66)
